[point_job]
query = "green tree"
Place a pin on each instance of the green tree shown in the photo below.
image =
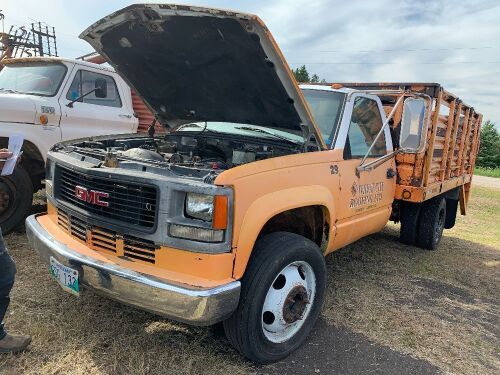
(301, 74)
(489, 151)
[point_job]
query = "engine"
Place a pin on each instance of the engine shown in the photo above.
(207, 154)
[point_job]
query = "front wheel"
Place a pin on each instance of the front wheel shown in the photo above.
(16, 197)
(282, 293)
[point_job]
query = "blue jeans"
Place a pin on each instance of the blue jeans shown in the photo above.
(7, 276)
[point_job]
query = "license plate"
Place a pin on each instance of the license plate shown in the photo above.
(66, 277)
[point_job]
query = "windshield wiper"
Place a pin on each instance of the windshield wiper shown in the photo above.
(257, 130)
(9, 90)
(195, 125)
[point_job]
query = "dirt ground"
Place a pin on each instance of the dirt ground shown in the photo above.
(389, 308)
(485, 181)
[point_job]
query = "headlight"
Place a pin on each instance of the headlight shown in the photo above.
(200, 206)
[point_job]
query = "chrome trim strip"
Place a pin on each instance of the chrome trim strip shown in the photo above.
(180, 302)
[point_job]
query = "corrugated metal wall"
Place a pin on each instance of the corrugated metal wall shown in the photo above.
(144, 115)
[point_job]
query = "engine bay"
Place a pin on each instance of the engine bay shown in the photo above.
(189, 153)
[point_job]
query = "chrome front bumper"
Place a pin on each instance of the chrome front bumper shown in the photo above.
(176, 301)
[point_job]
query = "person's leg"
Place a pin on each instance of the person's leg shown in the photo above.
(7, 276)
(8, 343)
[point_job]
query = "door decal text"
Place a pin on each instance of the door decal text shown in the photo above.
(367, 194)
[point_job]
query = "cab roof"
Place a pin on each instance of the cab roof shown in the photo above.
(38, 59)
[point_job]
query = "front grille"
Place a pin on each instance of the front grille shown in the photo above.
(129, 203)
(107, 241)
(102, 239)
(139, 249)
(76, 227)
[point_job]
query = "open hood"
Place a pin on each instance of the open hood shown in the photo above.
(198, 64)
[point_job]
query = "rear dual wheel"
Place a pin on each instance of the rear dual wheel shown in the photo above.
(423, 224)
(281, 297)
(409, 215)
(431, 223)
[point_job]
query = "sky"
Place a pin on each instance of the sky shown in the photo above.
(453, 42)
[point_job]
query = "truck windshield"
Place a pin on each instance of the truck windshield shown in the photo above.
(326, 107)
(32, 78)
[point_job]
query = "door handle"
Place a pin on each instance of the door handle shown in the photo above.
(124, 116)
(391, 173)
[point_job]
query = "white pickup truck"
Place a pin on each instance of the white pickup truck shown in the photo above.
(49, 100)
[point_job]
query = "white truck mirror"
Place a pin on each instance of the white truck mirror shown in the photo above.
(412, 125)
(101, 88)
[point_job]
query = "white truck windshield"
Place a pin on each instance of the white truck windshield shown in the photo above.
(32, 78)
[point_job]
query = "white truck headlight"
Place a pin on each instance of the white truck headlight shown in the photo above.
(200, 206)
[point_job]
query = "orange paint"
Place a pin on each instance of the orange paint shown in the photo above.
(269, 187)
(220, 212)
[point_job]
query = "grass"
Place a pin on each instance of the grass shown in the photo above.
(488, 172)
(442, 306)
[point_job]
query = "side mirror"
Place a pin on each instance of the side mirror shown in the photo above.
(412, 124)
(101, 88)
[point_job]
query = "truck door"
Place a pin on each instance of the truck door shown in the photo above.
(99, 113)
(365, 197)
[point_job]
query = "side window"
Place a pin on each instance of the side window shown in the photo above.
(364, 127)
(86, 81)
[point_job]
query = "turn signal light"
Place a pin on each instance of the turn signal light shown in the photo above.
(44, 120)
(219, 220)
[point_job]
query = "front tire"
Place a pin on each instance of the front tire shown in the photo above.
(281, 297)
(16, 197)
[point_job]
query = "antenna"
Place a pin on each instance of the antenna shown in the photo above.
(37, 39)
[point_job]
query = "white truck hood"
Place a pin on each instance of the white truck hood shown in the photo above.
(17, 108)
(199, 64)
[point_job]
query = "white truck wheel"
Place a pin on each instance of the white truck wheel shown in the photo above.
(16, 196)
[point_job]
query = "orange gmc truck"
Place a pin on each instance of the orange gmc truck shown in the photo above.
(227, 217)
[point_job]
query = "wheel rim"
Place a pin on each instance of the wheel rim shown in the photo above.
(288, 301)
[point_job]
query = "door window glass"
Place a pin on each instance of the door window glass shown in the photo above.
(365, 124)
(86, 81)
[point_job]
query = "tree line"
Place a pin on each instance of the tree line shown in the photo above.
(489, 150)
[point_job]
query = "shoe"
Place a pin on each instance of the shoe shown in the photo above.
(14, 343)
